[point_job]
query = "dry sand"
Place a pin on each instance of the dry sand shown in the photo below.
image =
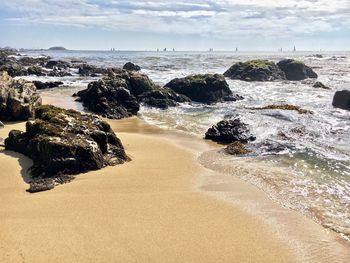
(148, 210)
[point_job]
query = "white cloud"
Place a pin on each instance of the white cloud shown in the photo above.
(221, 19)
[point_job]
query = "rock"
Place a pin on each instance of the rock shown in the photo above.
(63, 143)
(35, 70)
(47, 85)
(59, 73)
(14, 70)
(18, 99)
(57, 64)
(320, 85)
(110, 98)
(30, 61)
(131, 67)
(229, 131)
(236, 148)
(208, 88)
(296, 70)
(255, 70)
(342, 100)
(118, 94)
(90, 70)
(284, 107)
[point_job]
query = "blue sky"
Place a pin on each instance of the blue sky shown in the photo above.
(183, 25)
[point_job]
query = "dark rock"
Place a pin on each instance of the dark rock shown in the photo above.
(229, 131)
(90, 70)
(283, 107)
(342, 100)
(18, 99)
(296, 70)
(132, 67)
(63, 143)
(118, 94)
(255, 70)
(35, 70)
(57, 64)
(206, 88)
(59, 73)
(14, 70)
(47, 85)
(320, 85)
(30, 61)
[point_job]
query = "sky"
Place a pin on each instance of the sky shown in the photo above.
(183, 25)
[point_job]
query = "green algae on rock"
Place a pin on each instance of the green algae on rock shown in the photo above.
(284, 107)
(63, 143)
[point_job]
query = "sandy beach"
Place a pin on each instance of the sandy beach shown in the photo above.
(159, 207)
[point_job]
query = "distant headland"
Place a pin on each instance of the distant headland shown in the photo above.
(57, 48)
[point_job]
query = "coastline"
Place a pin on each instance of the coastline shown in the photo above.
(163, 206)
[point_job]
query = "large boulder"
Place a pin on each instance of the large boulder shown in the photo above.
(255, 70)
(118, 94)
(57, 64)
(18, 99)
(90, 70)
(204, 88)
(342, 100)
(296, 70)
(229, 131)
(131, 67)
(63, 143)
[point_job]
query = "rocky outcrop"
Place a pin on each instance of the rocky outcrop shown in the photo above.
(229, 131)
(255, 70)
(63, 143)
(131, 67)
(47, 85)
(57, 64)
(18, 99)
(207, 88)
(118, 94)
(296, 70)
(342, 100)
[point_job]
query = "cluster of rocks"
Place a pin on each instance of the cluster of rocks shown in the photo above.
(63, 143)
(18, 99)
(265, 70)
(119, 94)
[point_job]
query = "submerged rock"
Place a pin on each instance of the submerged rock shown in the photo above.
(236, 148)
(341, 100)
(296, 70)
(255, 70)
(320, 85)
(63, 143)
(229, 131)
(284, 107)
(47, 85)
(131, 66)
(18, 99)
(208, 88)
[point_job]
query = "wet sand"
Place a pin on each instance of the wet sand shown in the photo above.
(159, 207)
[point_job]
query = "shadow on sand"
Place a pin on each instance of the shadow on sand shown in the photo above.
(23, 161)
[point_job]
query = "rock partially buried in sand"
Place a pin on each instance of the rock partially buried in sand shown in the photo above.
(63, 143)
(47, 85)
(342, 100)
(229, 131)
(131, 67)
(18, 99)
(204, 88)
(255, 70)
(296, 70)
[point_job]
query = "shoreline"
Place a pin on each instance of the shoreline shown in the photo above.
(178, 213)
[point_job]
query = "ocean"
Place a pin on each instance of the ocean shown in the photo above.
(314, 149)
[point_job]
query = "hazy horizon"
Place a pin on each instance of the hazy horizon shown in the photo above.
(251, 25)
